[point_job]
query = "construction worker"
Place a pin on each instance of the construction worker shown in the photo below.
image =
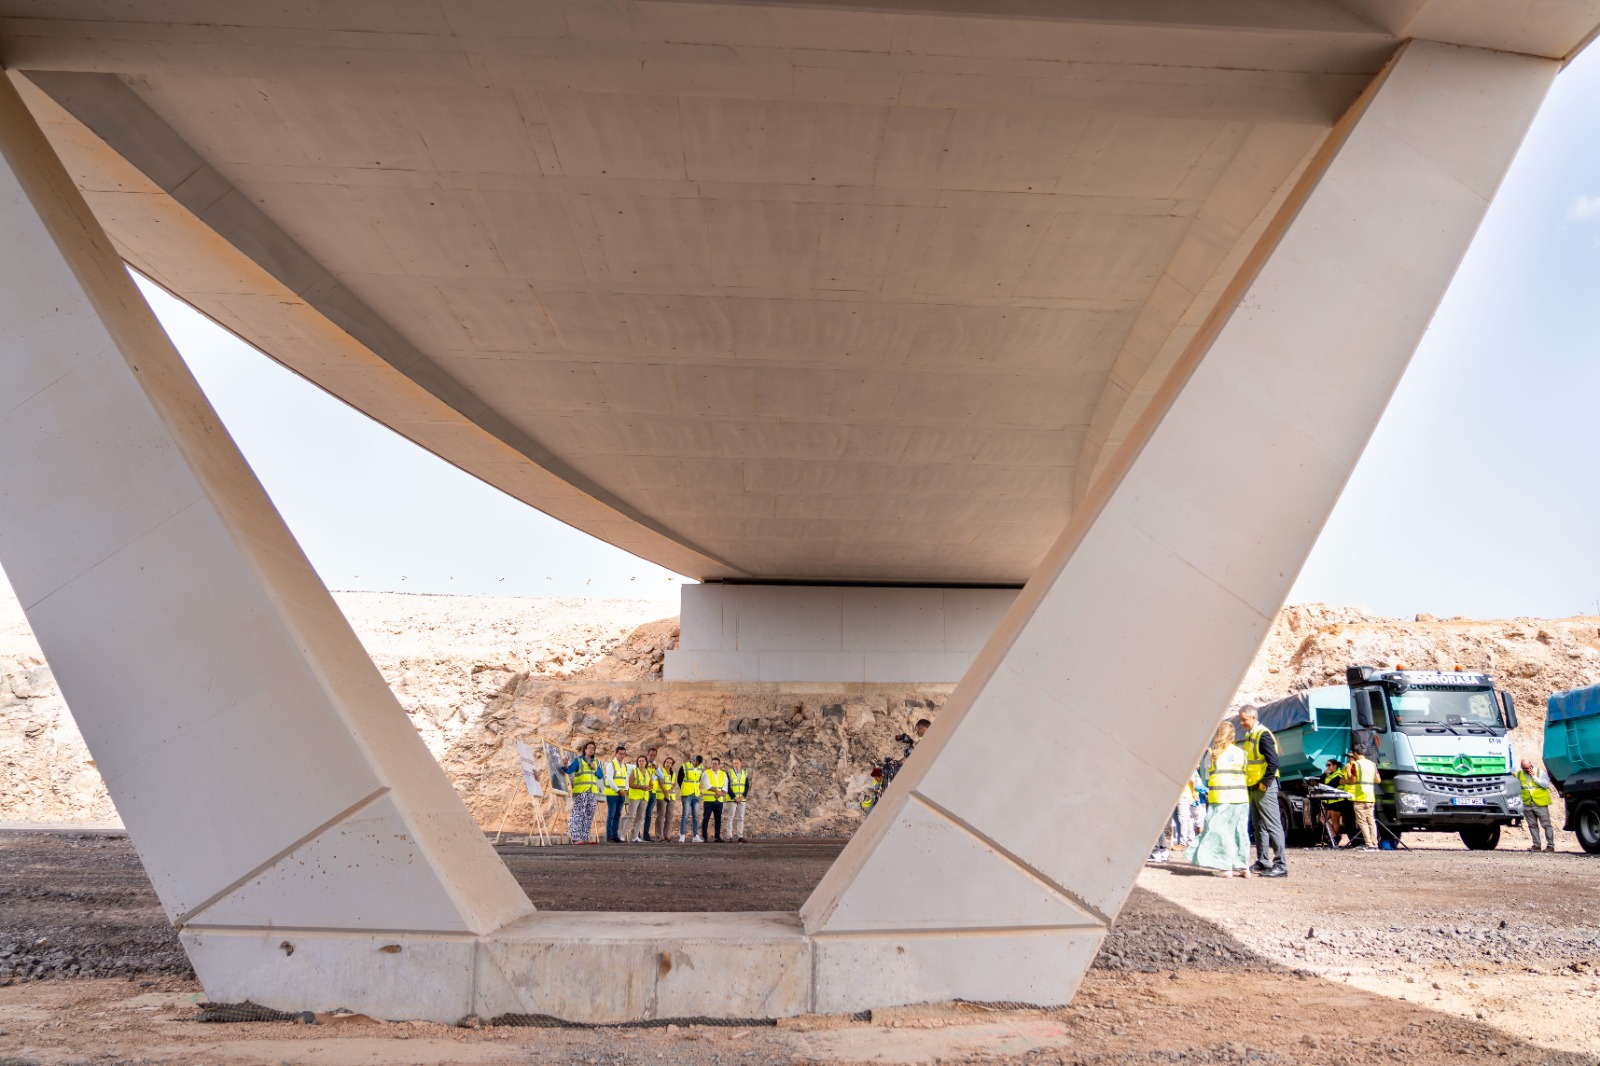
(689, 776)
(1361, 781)
(650, 803)
(584, 775)
(1261, 777)
(713, 792)
(1536, 804)
(738, 793)
(639, 778)
(615, 787)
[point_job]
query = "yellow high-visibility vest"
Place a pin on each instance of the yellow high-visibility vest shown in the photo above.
(619, 773)
(587, 779)
(736, 779)
(662, 786)
(638, 783)
(1255, 765)
(1362, 787)
(1225, 783)
(691, 780)
(1533, 793)
(715, 781)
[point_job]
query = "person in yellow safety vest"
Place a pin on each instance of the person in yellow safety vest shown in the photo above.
(1361, 781)
(689, 790)
(1333, 811)
(650, 803)
(615, 787)
(639, 776)
(1261, 777)
(583, 776)
(665, 794)
(1536, 805)
(738, 793)
(1224, 843)
(713, 791)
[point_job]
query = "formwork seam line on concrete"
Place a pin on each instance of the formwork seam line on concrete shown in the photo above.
(1032, 871)
(183, 921)
(328, 931)
(947, 932)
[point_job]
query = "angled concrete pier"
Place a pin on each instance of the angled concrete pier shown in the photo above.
(946, 343)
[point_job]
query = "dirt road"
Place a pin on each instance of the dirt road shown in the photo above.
(1429, 957)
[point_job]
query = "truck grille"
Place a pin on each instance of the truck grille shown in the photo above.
(1462, 786)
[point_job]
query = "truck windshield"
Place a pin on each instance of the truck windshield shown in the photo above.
(1421, 706)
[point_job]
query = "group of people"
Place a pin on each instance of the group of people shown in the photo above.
(1236, 788)
(643, 794)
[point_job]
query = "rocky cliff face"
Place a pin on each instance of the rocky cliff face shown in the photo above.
(474, 673)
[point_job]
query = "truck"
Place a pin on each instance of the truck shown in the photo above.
(1572, 756)
(1439, 740)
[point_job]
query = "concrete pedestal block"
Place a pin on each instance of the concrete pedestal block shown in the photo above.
(799, 633)
(610, 967)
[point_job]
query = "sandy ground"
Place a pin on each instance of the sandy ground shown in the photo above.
(1432, 956)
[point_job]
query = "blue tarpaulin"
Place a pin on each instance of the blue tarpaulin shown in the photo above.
(1286, 713)
(1579, 703)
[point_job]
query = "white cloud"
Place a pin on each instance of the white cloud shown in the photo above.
(1584, 207)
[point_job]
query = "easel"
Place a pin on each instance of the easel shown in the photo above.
(539, 823)
(534, 792)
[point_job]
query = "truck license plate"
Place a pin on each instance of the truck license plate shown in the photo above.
(1468, 801)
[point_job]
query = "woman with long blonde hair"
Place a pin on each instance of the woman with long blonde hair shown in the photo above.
(1224, 844)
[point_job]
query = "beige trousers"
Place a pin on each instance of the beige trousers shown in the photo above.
(1367, 823)
(736, 823)
(632, 824)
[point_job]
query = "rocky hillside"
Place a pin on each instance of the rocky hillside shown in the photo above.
(475, 672)
(1529, 657)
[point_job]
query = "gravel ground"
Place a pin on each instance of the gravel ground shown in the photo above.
(1430, 957)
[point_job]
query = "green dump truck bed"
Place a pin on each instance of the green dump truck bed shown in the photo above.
(1311, 727)
(1572, 734)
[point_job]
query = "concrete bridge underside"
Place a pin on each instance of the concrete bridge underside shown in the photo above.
(995, 295)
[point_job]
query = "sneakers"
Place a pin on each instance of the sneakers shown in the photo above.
(682, 838)
(698, 839)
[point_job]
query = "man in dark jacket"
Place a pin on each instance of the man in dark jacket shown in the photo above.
(1261, 774)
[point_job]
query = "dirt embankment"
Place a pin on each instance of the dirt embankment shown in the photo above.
(1311, 645)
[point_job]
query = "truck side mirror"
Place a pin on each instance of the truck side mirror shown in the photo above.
(1361, 703)
(1511, 710)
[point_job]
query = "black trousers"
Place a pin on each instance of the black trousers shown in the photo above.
(708, 811)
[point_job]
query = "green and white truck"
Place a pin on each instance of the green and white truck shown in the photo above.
(1445, 763)
(1572, 755)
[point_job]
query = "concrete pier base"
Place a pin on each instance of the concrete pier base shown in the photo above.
(601, 966)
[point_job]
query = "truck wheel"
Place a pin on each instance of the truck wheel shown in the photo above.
(1586, 820)
(1481, 837)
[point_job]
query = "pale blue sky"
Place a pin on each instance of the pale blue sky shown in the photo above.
(1477, 496)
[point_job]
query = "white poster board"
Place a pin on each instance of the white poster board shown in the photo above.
(557, 760)
(530, 770)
